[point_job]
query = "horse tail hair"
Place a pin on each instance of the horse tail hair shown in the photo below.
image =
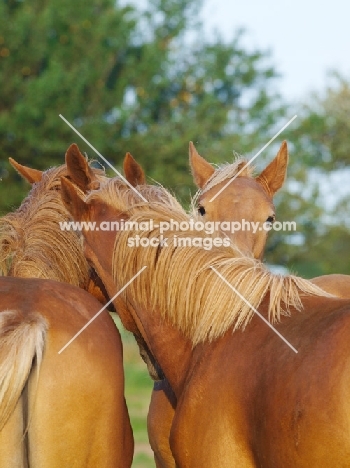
(22, 341)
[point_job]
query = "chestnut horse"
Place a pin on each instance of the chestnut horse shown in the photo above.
(59, 410)
(252, 200)
(249, 198)
(244, 398)
(43, 386)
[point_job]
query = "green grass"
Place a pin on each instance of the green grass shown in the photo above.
(138, 388)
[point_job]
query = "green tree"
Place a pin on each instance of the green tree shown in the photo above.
(316, 195)
(325, 125)
(144, 81)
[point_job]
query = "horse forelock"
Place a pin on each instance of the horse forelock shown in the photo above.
(239, 168)
(180, 283)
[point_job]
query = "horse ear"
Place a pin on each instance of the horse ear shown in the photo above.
(200, 168)
(31, 175)
(72, 200)
(79, 170)
(133, 172)
(273, 176)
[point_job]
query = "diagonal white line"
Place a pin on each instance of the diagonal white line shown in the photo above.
(258, 313)
(254, 157)
(101, 310)
(102, 157)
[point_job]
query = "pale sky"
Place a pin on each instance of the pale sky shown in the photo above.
(306, 37)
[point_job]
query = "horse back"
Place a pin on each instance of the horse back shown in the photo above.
(255, 402)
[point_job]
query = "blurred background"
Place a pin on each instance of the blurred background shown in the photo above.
(148, 76)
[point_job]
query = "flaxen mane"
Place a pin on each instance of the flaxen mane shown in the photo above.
(32, 243)
(124, 199)
(179, 281)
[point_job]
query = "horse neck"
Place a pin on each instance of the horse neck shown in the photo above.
(167, 344)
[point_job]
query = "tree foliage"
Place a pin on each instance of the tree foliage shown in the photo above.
(317, 194)
(149, 81)
(129, 79)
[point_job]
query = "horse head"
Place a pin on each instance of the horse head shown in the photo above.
(232, 194)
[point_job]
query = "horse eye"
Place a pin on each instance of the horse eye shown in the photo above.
(270, 219)
(201, 210)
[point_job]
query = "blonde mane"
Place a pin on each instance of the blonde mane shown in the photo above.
(179, 281)
(32, 243)
(119, 195)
